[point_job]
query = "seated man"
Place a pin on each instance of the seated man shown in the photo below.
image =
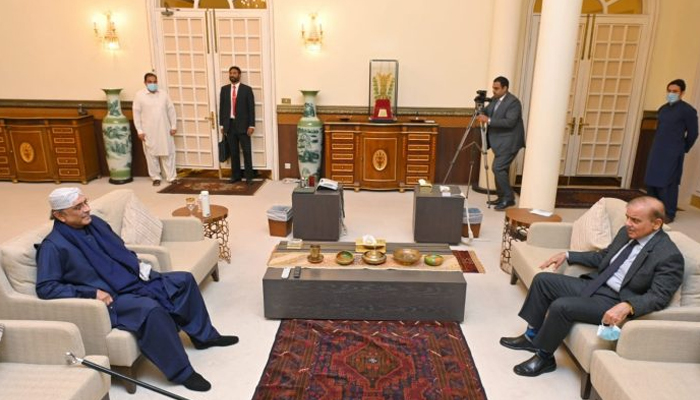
(637, 274)
(83, 257)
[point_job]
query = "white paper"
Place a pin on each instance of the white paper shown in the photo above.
(541, 212)
(145, 271)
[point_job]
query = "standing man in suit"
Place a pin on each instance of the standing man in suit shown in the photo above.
(506, 136)
(637, 274)
(237, 122)
(676, 132)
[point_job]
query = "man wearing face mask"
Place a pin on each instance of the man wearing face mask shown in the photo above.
(156, 123)
(237, 122)
(676, 132)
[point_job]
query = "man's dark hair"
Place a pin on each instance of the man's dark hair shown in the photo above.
(236, 68)
(678, 82)
(149, 74)
(503, 81)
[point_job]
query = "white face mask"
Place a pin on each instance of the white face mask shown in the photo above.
(608, 332)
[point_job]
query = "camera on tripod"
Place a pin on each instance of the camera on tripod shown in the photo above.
(480, 99)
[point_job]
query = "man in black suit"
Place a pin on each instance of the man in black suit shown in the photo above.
(637, 274)
(506, 136)
(237, 122)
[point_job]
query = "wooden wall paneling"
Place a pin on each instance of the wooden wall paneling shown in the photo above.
(447, 144)
(287, 150)
(646, 138)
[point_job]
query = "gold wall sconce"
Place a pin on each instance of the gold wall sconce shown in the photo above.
(109, 39)
(313, 37)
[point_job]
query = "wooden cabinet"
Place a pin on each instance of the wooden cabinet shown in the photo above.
(379, 156)
(48, 149)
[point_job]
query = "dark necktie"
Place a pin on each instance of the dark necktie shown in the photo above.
(600, 280)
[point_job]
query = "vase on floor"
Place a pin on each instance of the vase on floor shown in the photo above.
(117, 139)
(309, 138)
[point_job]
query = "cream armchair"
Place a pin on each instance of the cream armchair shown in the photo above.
(33, 365)
(654, 360)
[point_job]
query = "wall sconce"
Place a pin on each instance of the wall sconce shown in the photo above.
(110, 40)
(314, 37)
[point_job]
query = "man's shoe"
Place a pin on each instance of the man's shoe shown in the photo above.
(504, 204)
(156, 182)
(249, 182)
(494, 202)
(221, 341)
(668, 220)
(197, 383)
(518, 343)
(535, 366)
(234, 180)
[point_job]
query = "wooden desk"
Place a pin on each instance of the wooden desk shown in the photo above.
(515, 227)
(380, 156)
(215, 226)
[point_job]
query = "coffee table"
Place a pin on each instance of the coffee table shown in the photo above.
(215, 226)
(515, 227)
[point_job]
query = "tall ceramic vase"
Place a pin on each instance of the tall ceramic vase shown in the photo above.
(117, 138)
(309, 138)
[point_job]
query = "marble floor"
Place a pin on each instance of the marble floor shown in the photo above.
(236, 304)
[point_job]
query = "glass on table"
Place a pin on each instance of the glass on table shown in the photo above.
(191, 203)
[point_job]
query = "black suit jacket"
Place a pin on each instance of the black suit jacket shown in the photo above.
(654, 276)
(245, 108)
(506, 131)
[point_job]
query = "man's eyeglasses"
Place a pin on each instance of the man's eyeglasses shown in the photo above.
(79, 206)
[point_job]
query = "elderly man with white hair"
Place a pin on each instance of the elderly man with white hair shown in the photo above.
(82, 257)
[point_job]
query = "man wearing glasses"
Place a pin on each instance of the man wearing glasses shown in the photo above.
(82, 257)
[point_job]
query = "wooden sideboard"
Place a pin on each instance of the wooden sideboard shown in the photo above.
(40, 149)
(379, 156)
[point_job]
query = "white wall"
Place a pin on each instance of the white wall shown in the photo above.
(442, 47)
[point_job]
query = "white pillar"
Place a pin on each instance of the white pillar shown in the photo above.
(505, 34)
(556, 48)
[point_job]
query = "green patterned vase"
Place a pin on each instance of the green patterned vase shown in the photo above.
(117, 138)
(309, 138)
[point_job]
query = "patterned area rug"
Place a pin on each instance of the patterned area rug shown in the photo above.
(584, 198)
(329, 360)
(214, 186)
(468, 261)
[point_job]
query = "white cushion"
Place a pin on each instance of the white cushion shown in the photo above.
(139, 225)
(592, 230)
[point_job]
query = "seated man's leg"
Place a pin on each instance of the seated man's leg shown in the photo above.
(546, 287)
(159, 342)
(189, 310)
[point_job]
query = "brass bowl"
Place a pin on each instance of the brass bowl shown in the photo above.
(374, 257)
(433, 259)
(344, 258)
(406, 256)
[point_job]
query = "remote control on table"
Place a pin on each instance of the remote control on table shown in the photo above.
(297, 272)
(285, 272)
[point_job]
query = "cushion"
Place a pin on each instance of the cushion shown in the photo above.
(19, 259)
(139, 225)
(689, 292)
(592, 230)
(2, 329)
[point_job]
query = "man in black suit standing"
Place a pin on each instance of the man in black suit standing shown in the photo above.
(506, 136)
(637, 274)
(237, 122)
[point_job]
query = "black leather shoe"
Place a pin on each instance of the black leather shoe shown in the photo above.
(234, 180)
(221, 341)
(504, 204)
(156, 182)
(197, 383)
(535, 366)
(494, 202)
(518, 343)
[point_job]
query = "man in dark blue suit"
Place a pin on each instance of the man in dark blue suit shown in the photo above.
(237, 122)
(676, 131)
(83, 258)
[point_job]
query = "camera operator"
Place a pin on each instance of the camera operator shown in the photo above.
(505, 135)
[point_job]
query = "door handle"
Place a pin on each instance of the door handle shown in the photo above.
(581, 124)
(211, 118)
(572, 125)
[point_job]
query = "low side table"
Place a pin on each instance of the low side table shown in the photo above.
(318, 213)
(437, 218)
(215, 226)
(515, 227)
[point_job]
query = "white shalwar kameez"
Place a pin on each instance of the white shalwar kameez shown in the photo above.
(154, 116)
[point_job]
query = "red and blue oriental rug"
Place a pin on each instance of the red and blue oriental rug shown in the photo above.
(331, 360)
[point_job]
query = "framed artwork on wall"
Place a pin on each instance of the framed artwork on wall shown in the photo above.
(383, 90)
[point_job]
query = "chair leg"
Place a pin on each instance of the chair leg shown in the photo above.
(215, 273)
(131, 373)
(585, 385)
(513, 276)
(106, 396)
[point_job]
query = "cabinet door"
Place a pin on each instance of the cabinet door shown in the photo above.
(31, 152)
(380, 154)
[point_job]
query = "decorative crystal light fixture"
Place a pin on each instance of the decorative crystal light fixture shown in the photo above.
(110, 40)
(314, 37)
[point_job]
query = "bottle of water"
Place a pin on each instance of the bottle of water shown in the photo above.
(206, 209)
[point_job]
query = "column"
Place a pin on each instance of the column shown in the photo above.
(556, 47)
(503, 59)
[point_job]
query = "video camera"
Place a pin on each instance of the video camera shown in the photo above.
(480, 99)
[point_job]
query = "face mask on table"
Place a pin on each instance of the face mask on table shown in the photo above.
(608, 332)
(152, 87)
(672, 97)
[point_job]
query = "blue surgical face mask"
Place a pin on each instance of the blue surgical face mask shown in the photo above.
(608, 332)
(672, 97)
(152, 87)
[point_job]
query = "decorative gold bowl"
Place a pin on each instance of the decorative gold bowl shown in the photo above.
(344, 258)
(433, 259)
(374, 257)
(406, 256)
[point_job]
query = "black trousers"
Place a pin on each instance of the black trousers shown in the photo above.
(668, 195)
(501, 170)
(553, 305)
(240, 140)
